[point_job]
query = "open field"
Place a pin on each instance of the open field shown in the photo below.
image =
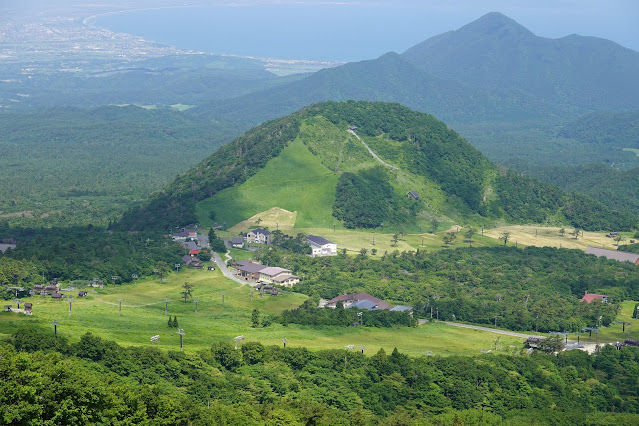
(549, 236)
(143, 317)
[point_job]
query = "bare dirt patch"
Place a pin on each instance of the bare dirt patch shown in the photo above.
(273, 218)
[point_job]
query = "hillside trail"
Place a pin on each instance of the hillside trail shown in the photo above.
(352, 132)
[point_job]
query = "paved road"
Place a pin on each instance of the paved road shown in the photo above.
(492, 330)
(571, 344)
(227, 273)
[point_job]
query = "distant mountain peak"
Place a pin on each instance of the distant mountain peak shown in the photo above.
(495, 23)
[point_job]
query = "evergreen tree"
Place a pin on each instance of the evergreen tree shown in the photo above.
(255, 318)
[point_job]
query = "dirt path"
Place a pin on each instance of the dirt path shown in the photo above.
(352, 132)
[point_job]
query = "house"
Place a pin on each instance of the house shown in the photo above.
(192, 261)
(286, 280)
(237, 242)
(57, 296)
(276, 275)
(621, 256)
(259, 235)
(591, 297)
(413, 194)
(402, 308)
(190, 245)
(83, 294)
(247, 269)
(182, 236)
(194, 252)
(320, 246)
(349, 299)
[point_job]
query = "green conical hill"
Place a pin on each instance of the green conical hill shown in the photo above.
(354, 163)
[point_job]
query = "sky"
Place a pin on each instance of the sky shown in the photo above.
(347, 30)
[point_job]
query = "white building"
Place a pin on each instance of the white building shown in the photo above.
(281, 276)
(321, 246)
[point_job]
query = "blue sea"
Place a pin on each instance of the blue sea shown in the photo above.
(334, 32)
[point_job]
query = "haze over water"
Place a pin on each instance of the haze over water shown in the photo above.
(329, 31)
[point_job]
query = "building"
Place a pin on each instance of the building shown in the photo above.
(83, 294)
(276, 275)
(320, 246)
(591, 297)
(403, 308)
(187, 233)
(28, 308)
(350, 299)
(237, 242)
(247, 269)
(192, 261)
(621, 256)
(413, 194)
(259, 235)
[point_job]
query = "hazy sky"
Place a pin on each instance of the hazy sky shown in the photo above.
(352, 29)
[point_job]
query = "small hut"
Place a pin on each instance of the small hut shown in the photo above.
(28, 308)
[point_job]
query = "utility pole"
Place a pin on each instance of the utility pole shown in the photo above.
(196, 305)
(177, 267)
(70, 300)
(55, 327)
(284, 341)
(181, 333)
(120, 307)
(362, 348)
(166, 306)
(223, 294)
(135, 279)
(114, 278)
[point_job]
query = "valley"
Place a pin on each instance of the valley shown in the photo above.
(441, 236)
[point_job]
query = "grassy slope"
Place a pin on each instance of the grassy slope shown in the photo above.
(143, 317)
(295, 180)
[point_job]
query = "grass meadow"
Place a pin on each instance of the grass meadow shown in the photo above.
(296, 179)
(143, 317)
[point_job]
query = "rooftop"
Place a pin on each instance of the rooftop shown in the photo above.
(271, 271)
(356, 297)
(318, 240)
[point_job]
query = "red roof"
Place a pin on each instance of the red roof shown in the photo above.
(194, 252)
(589, 297)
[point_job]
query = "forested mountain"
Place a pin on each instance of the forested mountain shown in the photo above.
(313, 152)
(496, 52)
(389, 78)
(491, 69)
(607, 167)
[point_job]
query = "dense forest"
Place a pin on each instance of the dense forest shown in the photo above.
(366, 199)
(47, 380)
(518, 289)
(67, 166)
(84, 253)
